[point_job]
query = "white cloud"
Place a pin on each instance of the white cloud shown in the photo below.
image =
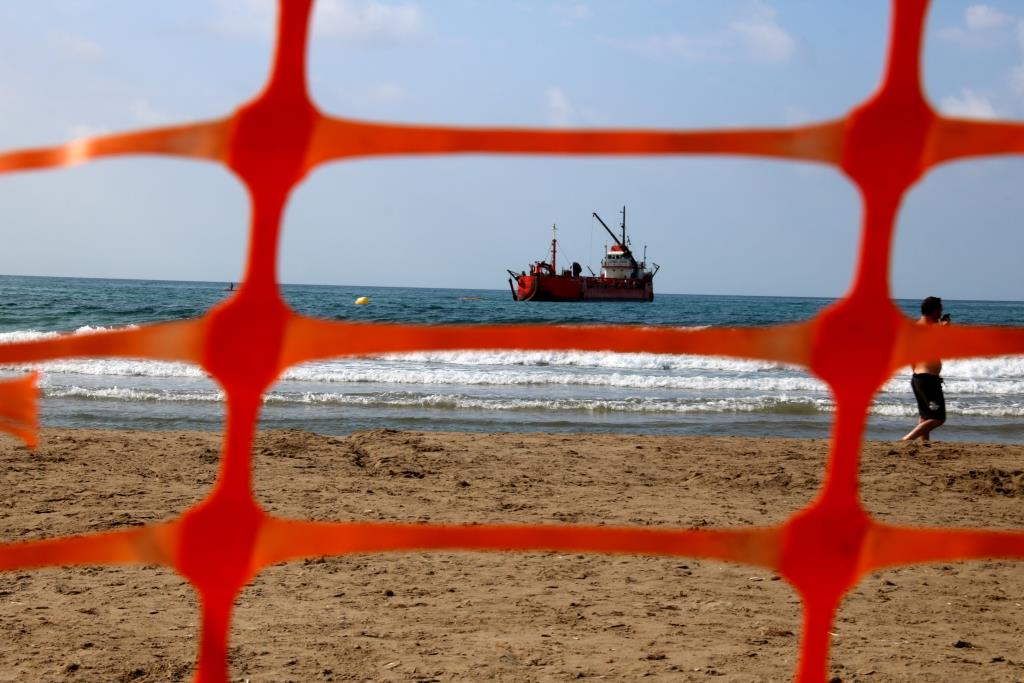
(980, 17)
(761, 36)
(983, 28)
(76, 47)
(968, 105)
(987, 28)
(560, 111)
(368, 22)
(571, 12)
(246, 18)
(756, 36)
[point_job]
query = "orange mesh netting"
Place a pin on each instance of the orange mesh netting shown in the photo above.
(884, 145)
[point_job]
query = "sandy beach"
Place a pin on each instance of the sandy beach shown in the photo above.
(506, 617)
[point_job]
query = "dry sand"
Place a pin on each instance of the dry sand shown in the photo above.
(505, 617)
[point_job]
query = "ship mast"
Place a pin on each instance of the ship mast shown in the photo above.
(554, 247)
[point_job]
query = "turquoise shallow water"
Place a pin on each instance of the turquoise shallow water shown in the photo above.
(489, 391)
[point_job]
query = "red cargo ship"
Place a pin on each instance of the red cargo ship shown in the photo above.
(622, 278)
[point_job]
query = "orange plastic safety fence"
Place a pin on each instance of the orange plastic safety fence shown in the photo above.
(883, 146)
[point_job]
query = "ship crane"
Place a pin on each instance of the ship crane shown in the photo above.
(622, 242)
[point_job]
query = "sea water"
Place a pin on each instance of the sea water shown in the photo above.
(558, 391)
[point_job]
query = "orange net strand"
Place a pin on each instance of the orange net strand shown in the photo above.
(19, 408)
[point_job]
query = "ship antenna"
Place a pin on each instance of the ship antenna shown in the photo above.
(623, 224)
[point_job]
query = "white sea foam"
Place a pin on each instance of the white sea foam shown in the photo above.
(985, 368)
(973, 370)
(33, 335)
(999, 368)
(25, 336)
(1002, 377)
(624, 405)
(981, 409)
(773, 404)
(460, 402)
(367, 372)
(584, 359)
(356, 374)
(130, 394)
(996, 387)
(121, 368)
(577, 380)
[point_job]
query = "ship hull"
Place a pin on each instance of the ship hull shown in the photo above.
(568, 288)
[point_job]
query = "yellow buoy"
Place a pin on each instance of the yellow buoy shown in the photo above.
(363, 300)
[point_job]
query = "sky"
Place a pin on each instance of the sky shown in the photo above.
(715, 225)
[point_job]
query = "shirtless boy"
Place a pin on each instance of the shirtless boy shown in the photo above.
(926, 382)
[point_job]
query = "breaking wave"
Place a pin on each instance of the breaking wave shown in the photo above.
(774, 404)
(566, 381)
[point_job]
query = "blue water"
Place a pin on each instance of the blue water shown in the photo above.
(62, 304)
(489, 391)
